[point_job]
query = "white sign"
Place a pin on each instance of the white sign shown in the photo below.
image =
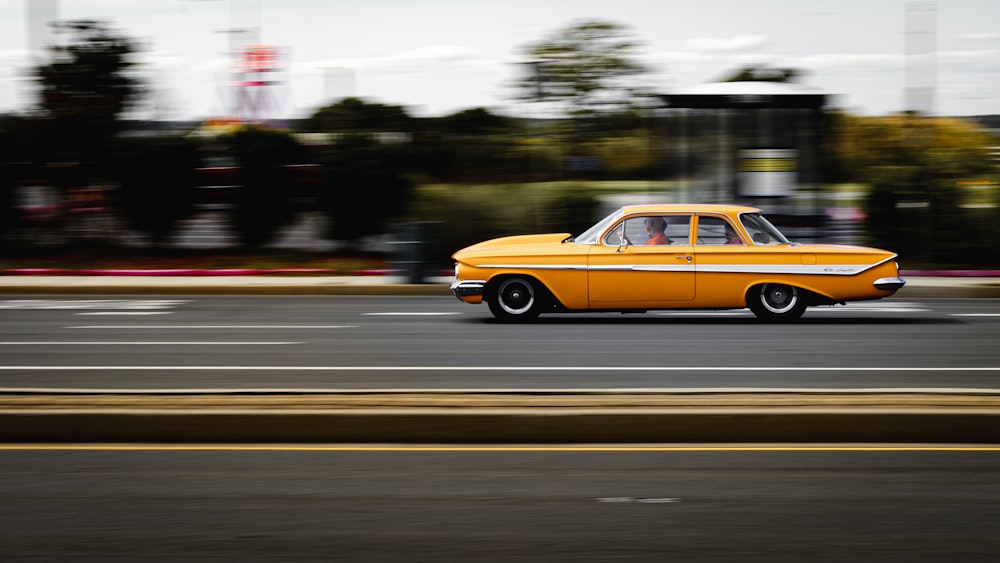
(768, 172)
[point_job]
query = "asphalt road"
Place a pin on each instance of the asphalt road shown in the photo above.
(354, 342)
(472, 505)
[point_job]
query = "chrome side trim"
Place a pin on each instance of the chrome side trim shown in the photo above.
(663, 268)
(889, 283)
(808, 269)
(468, 288)
(643, 268)
(537, 266)
(811, 269)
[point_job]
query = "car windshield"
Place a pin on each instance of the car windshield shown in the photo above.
(591, 235)
(761, 230)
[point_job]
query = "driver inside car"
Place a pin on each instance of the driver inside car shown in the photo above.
(655, 230)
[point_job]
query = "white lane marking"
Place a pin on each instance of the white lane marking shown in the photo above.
(502, 368)
(140, 343)
(408, 314)
(871, 309)
(702, 313)
(743, 312)
(891, 307)
(207, 327)
(974, 315)
(881, 307)
(639, 500)
(128, 313)
(128, 304)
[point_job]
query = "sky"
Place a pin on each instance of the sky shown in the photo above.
(437, 57)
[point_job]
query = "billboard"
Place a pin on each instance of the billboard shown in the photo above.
(768, 172)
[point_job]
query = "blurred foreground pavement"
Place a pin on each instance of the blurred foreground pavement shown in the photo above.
(705, 416)
(490, 417)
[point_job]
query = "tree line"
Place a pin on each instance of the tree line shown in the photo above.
(917, 171)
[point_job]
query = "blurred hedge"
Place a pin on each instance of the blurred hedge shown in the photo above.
(468, 214)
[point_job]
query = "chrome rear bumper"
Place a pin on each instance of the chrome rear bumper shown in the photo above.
(889, 283)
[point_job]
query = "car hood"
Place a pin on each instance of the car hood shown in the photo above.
(520, 244)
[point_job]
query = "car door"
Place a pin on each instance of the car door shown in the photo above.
(722, 256)
(632, 274)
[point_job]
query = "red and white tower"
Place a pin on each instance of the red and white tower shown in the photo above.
(257, 83)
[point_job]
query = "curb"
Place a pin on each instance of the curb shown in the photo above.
(968, 288)
(216, 285)
(488, 418)
(166, 272)
(200, 272)
(728, 426)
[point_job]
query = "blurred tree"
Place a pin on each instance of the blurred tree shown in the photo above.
(471, 145)
(352, 115)
(364, 167)
(83, 91)
(860, 143)
(914, 166)
(88, 85)
(264, 201)
(763, 73)
(366, 186)
(591, 66)
(571, 209)
(8, 183)
(158, 182)
(475, 121)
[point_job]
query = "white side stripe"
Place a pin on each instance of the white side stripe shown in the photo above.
(515, 368)
(802, 269)
(826, 270)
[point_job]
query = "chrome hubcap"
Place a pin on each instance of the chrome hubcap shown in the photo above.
(779, 298)
(515, 296)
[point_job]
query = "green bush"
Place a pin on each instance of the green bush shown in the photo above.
(157, 185)
(471, 214)
(264, 200)
(365, 187)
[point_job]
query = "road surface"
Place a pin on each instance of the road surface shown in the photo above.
(345, 342)
(469, 504)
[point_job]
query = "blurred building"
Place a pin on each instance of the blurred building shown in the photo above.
(921, 57)
(41, 35)
(752, 142)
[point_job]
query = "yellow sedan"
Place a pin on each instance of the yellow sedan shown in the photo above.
(648, 257)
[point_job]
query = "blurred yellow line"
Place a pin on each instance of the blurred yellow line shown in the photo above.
(474, 449)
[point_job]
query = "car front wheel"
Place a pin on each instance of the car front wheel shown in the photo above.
(514, 299)
(776, 302)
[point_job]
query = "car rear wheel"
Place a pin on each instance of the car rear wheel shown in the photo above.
(515, 299)
(776, 302)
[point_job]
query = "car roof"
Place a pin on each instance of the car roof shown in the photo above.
(689, 208)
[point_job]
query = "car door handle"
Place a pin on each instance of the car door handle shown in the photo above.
(683, 257)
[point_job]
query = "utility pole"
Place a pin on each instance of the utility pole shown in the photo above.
(921, 57)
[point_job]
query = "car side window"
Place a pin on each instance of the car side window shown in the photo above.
(616, 236)
(717, 231)
(679, 229)
(651, 230)
(762, 232)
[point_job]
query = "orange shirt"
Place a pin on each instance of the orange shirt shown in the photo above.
(658, 238)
